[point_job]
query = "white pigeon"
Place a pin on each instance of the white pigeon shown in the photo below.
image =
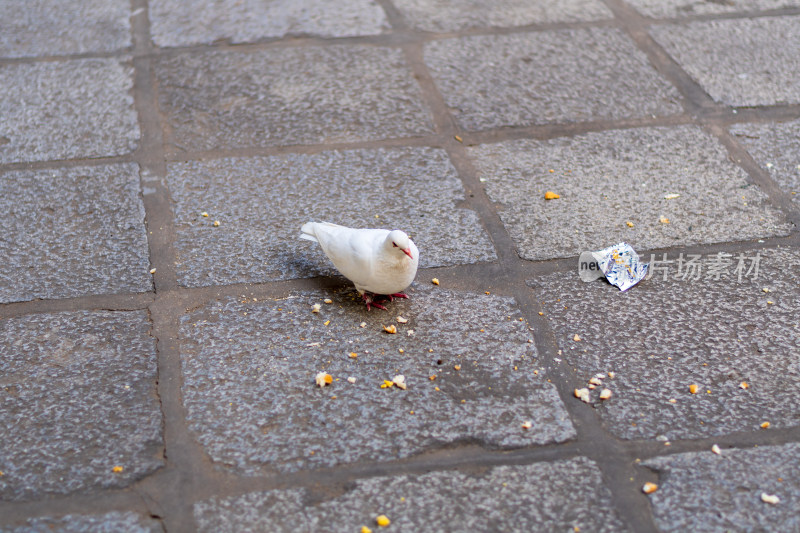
(381, 263)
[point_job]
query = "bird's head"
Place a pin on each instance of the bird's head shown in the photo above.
(399, 241)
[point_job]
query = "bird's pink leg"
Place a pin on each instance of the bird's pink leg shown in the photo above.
(394, 295)
(371, 302)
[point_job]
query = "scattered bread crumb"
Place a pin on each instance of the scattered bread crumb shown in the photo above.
(769, 498)
(323, 379)
(583, 395)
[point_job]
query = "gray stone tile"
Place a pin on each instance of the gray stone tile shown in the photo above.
(489, 81)
(707, 492)
(251, 398)
(64, 110)
(505, 498)
(112, 522)
(662, 336)
(72, 231)
(79, 398)
(608, 179)
(739, 62)
(284, 96)
(188, 22)
(42, 27)
(261, 202)
(776, 147)
(689, 8)
(437, 15)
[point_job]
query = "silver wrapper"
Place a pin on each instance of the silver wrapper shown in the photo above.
(621, 265)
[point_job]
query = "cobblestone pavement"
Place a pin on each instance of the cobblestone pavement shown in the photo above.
(157, 345)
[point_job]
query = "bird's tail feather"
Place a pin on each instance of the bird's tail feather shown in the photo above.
(308, 232)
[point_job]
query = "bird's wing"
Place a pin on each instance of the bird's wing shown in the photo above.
(352, 251)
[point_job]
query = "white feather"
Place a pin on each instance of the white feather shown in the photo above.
(367, 257)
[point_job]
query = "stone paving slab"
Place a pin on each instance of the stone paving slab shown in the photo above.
(42, 28)
(112, 522)
(438, 16)
(610, 178)
(191, 22)
(706, 492)
(689, 8)
(261, 202)
(251, 399)
(50, 112)
(776, 148)
(78, 398)
(285, 96)
(72, 231)
(739, 62)
(506, 498)
(490, 81)
(662, 336)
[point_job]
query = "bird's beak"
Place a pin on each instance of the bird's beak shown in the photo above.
(408, 253)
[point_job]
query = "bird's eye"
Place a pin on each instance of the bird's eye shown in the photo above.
(394, 244)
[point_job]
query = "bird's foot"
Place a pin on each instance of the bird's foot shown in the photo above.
(398, 295)
(372, 302)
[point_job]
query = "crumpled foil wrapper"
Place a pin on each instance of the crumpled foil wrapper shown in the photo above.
(621, 266)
